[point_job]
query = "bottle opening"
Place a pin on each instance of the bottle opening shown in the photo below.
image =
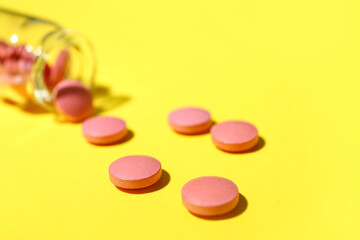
(61, 55)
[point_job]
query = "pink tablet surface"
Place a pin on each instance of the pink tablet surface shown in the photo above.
(234, 136)
(136, 171)
(210, 196)
(104, 130)
(58, 70)
(73, 100)
(190, 120)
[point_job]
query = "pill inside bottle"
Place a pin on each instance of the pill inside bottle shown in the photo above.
(73, 100)
(36, 55)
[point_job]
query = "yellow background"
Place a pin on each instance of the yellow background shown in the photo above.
(289, 67)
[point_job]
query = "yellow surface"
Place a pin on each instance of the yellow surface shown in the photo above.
(289, 67)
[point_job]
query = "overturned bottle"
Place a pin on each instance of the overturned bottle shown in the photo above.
(36, 55)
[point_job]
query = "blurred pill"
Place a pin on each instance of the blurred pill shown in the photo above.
(19, 51)
(22, 68)
(104, 130)
(46, 75)
(73, 100)
(10, 51)
(11, 66)
(190, 120)
(58, 70)
(3, 48)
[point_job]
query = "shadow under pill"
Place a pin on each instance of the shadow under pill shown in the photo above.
(163, 182)
(104, 100)
(27, 107)
(238, 210)
(100, 91)
(261, 144)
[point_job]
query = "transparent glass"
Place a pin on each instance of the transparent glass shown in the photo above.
(29, 47)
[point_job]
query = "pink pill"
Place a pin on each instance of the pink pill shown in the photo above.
(19, 51)
(104, 130)
(13, 79)
(22, 66)
(210, 196)
(190, 120)
(3, 50)
(134, 172)
(72, 100)
(57, 72)
(66, 84)
(11, 66)
(234, 136)
(46, 75)
(10, 51)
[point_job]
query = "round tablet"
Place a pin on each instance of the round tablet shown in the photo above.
(190, 120)
(133, 172)
(104, 130)
(234, 136)
(72, 100)
(210, 196)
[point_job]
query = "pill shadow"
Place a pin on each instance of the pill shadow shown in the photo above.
(130, 135)
(104, 100)
(100, 90)
(26, 107)
(260, 145)
(238, 210)
(163, 182)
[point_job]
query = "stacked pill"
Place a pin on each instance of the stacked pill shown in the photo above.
(71, 99)
(15, 63)
(15, 67)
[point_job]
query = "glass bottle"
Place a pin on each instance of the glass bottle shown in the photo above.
(35, 54)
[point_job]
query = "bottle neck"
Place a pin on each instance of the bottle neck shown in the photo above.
(66, 53)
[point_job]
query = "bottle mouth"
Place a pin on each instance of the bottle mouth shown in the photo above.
(62, 54)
